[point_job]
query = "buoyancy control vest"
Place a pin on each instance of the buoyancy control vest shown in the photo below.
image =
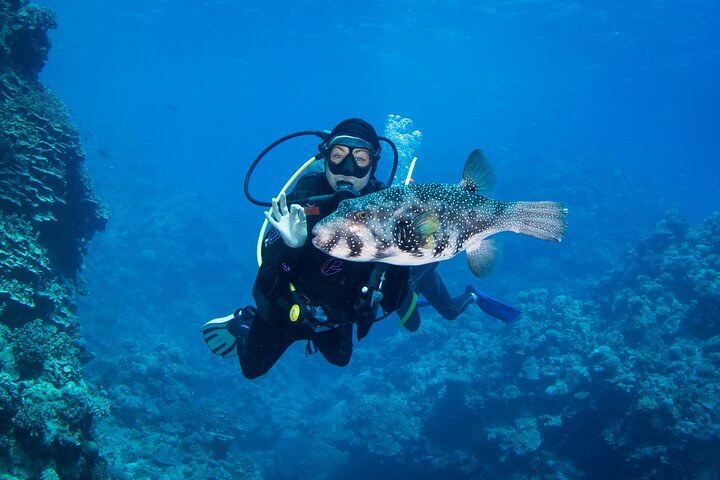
(307, 279)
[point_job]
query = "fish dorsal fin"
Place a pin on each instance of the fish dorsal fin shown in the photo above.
(478, 175)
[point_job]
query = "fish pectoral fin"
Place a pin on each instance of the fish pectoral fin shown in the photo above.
(418, 233)
(429, 242)
(483, 258)
(425, 224)
(478, 175)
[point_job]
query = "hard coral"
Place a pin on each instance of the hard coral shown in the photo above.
(33, 344)
(54, 419)
(521, 438)
(24, 43)
(48, 214)
(8, 398)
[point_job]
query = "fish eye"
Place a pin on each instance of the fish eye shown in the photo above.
(361, 216)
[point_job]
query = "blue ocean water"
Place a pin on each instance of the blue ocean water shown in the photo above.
(610, 107)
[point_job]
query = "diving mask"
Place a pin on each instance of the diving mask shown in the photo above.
(356, 162)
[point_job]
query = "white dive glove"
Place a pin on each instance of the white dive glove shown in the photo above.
(290, 224)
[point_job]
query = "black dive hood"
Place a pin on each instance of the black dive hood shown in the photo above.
(342, 193)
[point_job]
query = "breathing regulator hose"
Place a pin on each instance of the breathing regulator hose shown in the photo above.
(322, 135)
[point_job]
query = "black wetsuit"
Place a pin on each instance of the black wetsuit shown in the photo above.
(426, 281)
(322, 281)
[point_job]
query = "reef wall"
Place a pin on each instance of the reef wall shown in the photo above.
(48, 214)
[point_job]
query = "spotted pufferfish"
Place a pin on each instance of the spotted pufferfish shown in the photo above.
(424, 223)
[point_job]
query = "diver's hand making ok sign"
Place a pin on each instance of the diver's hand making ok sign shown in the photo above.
(290, 224)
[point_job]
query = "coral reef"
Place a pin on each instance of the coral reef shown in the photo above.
(48, 214)
(48, 210)
(574, 390)
(605, 376)
(627, 379)
(614, 377)
(160, 429)
(24, 43)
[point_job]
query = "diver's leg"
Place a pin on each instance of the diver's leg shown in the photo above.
(434, 290)
(263, 347)
(408, 309)
(418, 274)
(336, 345)
(408, 312)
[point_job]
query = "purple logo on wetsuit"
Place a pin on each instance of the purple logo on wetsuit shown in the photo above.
(331, 266)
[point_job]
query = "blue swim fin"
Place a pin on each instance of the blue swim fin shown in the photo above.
(495, 308)
(422, 302)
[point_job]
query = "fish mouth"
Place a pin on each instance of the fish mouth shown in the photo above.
(344, 244)
(324, 240)
(317, 242)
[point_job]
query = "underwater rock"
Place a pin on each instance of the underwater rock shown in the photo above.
(48, 214)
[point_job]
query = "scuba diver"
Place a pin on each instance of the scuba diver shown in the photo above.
(300, 292)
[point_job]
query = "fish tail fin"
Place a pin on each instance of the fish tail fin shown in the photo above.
(543, 220)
